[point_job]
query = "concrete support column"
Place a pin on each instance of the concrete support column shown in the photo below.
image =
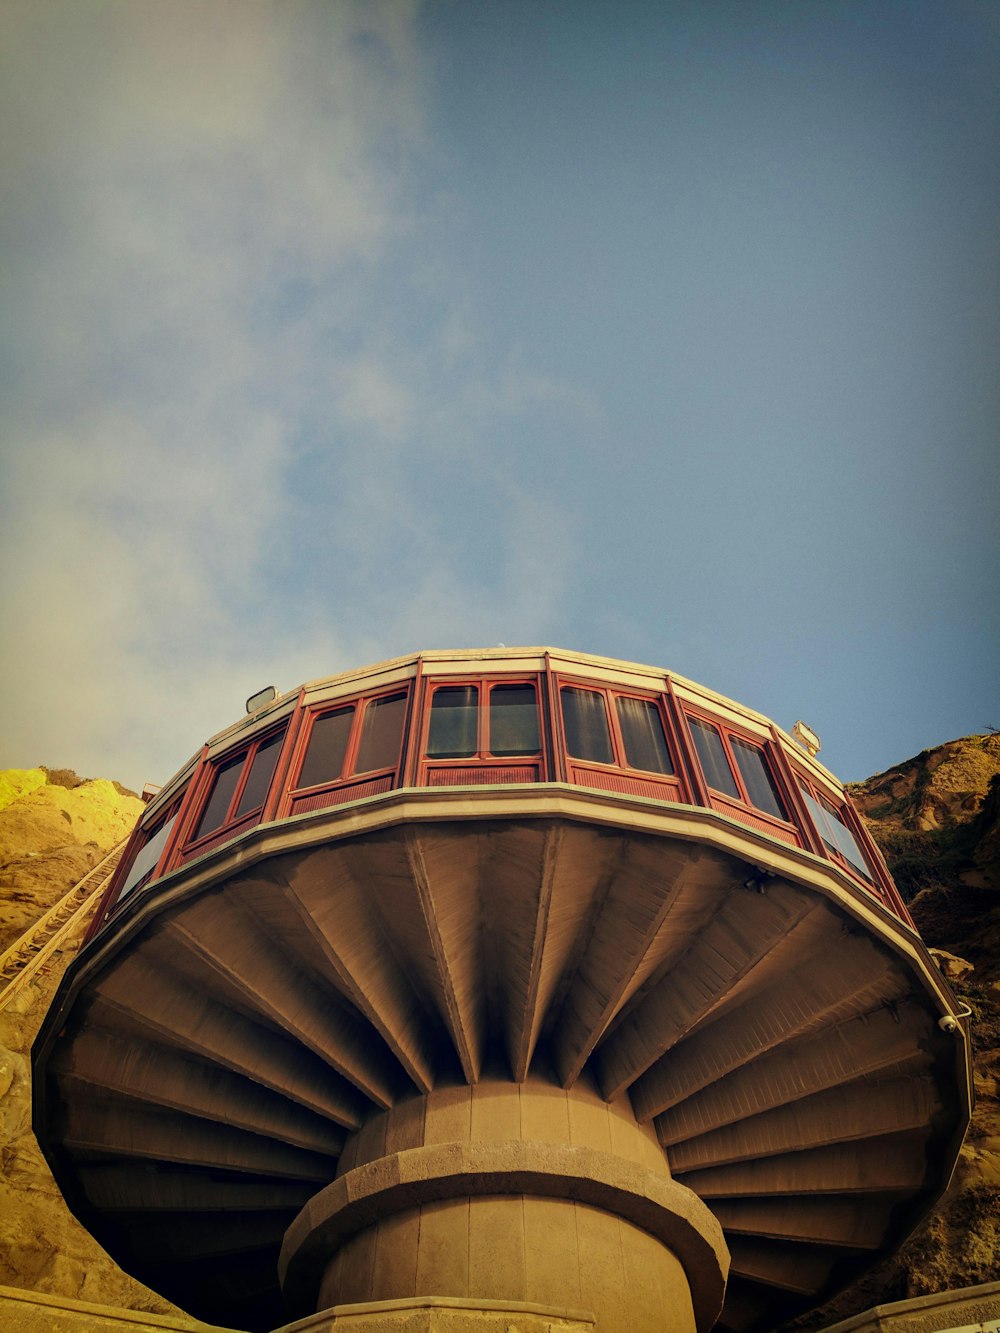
(500, 1193)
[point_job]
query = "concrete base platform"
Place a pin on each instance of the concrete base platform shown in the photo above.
(38, 1312)
(445, 1315)
(964, 1310)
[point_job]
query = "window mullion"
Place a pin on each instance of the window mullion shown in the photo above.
(483, 740)
(617, 740)
(354, 739)
(734, 768)
(244, 778)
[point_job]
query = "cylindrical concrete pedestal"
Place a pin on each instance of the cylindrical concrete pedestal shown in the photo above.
(510, 1192)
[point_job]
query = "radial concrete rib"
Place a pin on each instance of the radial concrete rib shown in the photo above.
(806, 938)
(873, 1045)
(800, 1269)
(129, 1131)
(340, 917)
(856, 1111)
(137, 997)
(162, 1077)
(583, 877)
(122, 1188)
(874, 1166)
(648, 882)
(446, 872)
(757, 1032)
(798, 1003)
(735, 940)
(230, 942)
(821, 1220)
(521, 1010)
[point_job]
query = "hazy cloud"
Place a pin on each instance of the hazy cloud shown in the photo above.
(215, 434)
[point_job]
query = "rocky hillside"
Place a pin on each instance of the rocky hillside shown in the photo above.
(937, 818)
(53, 828)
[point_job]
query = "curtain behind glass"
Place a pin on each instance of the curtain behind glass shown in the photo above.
(835, 833)
(642, 732)
(381, 734)
(586, 722)
(714, 763)
(327, 750)
(757, 778)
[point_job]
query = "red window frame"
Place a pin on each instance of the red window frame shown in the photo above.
(230, 825)
(671, 786)
(348, 778)
(841, 810)
(742, 806)
(528, 767)
(169, 817)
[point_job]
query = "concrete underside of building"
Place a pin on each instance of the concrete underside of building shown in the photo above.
(558, 1032)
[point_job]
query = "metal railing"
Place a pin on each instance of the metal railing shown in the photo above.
(41, 940)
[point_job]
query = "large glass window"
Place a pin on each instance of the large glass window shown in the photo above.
(454, 722)
(381, 733)
(514, 720)
(149, 854)
(712, 753)
(585, 719)
(327, 749)
(837, 837)
(760, 785)
(240, 784)
(260, 775)
(227, 775)
(737, 768)
(364, 736)
(642, 735)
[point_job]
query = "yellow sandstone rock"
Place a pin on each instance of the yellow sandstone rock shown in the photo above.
(17, 782)
(49, 838)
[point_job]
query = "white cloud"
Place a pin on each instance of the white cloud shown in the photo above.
(224, 464)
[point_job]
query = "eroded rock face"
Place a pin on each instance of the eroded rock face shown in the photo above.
(937, 820)
(49, 837)
(936, 789)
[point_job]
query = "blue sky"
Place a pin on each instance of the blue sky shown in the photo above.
(332, 331)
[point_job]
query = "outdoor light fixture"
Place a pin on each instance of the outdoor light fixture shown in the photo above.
(807, 738)
(262, 697)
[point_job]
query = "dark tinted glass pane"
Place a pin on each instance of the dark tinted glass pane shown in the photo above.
(148, 856)
(381, 734)
(835, 833)
(324, 759)
(453, 722)
(757, 778)
(715, 765)
(226, 778)
(260, 775)
(514, 720)
(642, 732)
(586, 721)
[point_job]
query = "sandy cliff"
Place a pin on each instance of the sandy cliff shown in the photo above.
(937, 820)
(51, 833)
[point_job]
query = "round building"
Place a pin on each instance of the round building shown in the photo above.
(519, 987)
